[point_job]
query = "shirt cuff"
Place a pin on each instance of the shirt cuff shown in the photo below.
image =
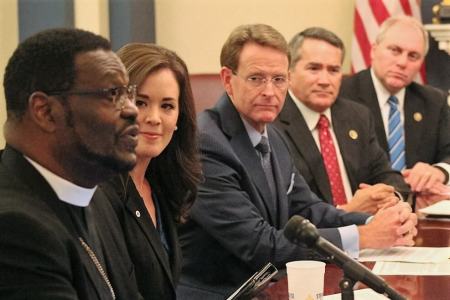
(445, 167)
(350, 240)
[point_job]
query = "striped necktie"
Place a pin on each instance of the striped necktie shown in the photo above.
(396, 135)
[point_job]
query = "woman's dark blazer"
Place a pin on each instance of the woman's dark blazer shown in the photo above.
(157, 272)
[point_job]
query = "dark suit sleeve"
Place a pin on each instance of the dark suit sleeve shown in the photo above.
(33, 261)
(227, 209)
(444, 133)
(325, 216)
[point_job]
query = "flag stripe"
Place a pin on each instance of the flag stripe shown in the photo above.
(422, 74)
(415, 7)
(369, 21)
(369, 15)
(406, 7)
(358, 59)
(379, 10)
(361, 36)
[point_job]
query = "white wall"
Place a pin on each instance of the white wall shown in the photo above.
(196, 29)
(9, 37)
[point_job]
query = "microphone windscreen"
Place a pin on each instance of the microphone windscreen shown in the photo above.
(299, 230)
(293, 228)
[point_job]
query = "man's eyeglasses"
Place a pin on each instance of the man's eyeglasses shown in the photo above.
(117, 95)
(259, 81)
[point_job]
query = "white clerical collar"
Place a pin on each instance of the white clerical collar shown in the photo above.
(311, 117)
(383, 94)
(65, 190)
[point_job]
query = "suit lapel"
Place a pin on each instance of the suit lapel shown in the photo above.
(29, 176)
(240, 142)
(301, 137)
(281, 206)
(172, 239)
(349, 147)
(368, 96)
(413, 129)
(135, 203)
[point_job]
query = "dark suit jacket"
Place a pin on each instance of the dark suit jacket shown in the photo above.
(364, 160)
(235, 227)
(426, 140)
(156, 271)
(40, 254)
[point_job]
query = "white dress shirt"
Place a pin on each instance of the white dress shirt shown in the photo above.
(383, 96)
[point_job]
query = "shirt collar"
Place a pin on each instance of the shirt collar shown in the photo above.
(311, 117)
(383, 94)
(253, 134)
(65, 190)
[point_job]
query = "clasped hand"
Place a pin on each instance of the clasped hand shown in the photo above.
(370, 198)
(393, 225)
(423, 177)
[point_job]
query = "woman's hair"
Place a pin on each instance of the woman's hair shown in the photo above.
(176, 171)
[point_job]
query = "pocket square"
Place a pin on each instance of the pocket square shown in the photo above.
(291, 184)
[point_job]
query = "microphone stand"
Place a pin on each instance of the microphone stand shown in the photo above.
(300, 231)
(346, 285)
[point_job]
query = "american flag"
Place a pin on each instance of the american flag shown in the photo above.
(369, 15)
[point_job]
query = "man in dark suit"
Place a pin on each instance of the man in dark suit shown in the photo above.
(316, 60)
(252, 188)
(70, 125)
(397, 56)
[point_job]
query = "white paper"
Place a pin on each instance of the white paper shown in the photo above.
(418, 269)
(439, 208)
(364, 294)
(407, 254)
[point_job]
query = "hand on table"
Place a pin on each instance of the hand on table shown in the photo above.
(423, 177)
(370, 198)
(391, 226)
(438, 193)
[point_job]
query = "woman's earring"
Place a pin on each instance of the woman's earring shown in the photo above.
(176, 128)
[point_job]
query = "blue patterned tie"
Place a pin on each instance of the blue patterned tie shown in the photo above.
(396, 138)
(264, 150)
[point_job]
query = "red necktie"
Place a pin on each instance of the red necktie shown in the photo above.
(330, 161)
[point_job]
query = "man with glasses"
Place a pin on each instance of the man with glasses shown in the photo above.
(71, 123)
(251, 187)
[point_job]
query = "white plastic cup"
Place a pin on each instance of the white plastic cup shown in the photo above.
(305, 279)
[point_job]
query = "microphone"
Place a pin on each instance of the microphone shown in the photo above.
(299, 230)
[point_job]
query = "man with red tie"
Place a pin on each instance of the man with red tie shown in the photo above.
(333, 140)
(236, 224)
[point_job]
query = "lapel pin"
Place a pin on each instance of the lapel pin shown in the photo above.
(138, 214)
(353, 134)
(417, 116)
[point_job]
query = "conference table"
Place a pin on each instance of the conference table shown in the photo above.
(431, 233)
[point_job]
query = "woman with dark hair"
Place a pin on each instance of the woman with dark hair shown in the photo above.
(152, 198)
